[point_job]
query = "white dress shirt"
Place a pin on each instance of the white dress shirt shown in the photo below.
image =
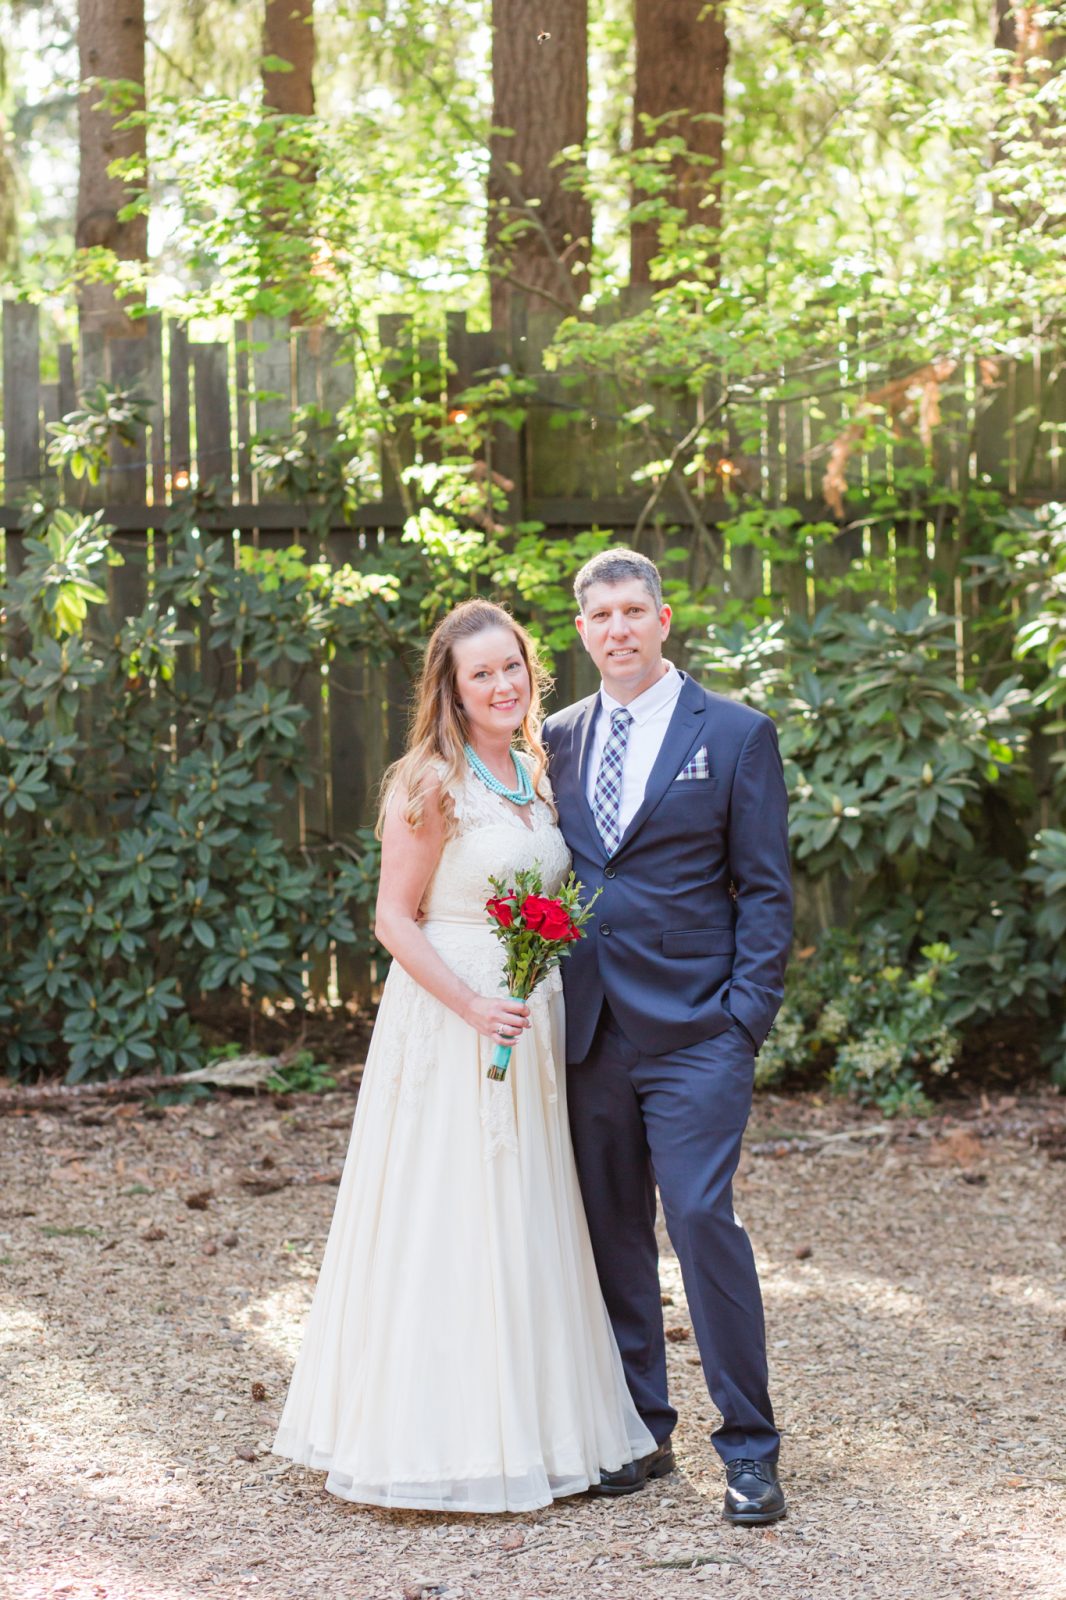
(651, 713)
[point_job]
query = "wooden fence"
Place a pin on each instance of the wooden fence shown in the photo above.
(1000, 423)
(571, 466)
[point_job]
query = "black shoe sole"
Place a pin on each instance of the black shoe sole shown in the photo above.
(754, 1519)
(662, 1467)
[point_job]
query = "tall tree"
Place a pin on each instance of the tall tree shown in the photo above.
(288, 73)
(682, 53)
(110, 46)
(289, 36)
(539, 222)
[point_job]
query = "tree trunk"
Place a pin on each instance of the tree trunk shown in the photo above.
(110, 45)
(682, 53)
(289, 35)
(538, 235)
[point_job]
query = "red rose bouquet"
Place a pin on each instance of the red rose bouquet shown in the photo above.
(536, 930)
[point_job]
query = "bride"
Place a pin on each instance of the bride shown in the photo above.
(458, 1355)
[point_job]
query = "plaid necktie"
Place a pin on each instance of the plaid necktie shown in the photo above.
(607, 795)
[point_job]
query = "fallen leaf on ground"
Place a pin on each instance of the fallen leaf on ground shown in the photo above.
(959, 1145)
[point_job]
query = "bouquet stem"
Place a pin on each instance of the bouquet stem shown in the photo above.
(501, 1060)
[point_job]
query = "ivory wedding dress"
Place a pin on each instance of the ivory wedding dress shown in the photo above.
(458, 1355)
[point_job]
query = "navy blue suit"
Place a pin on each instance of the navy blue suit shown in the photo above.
(667, 1000)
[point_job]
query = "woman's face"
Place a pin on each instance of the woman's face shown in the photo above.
(491, 683)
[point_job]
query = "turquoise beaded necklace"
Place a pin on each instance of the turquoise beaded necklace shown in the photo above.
(518, 797)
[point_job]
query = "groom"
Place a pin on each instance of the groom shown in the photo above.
(672, 801)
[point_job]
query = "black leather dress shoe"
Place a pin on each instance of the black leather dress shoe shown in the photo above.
(753, 1494)
(635, 1474)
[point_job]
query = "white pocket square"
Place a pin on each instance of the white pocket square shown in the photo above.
(698, 767)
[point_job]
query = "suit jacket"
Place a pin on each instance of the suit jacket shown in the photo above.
(692, 930)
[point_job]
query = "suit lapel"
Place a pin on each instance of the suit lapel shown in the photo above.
(583, 745)
(687, 726)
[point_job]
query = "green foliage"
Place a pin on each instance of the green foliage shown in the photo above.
(142, 864)
(302, 1075)
(1027, 565)
(54, 590)
(890, 761)
(856, 1012)
(82, 441)
(913, 782)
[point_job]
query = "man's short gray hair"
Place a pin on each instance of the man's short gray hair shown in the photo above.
(617, 566)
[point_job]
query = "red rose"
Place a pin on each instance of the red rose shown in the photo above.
(547, 917)
(533, 909)
(502, 907)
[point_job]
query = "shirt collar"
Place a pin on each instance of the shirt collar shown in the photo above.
(654, 700)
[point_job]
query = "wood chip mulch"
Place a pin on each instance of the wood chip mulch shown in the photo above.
(156, 1266)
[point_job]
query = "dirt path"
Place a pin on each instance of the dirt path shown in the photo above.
(916, 1296)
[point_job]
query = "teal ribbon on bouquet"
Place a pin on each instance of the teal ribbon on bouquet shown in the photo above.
(501, 1053)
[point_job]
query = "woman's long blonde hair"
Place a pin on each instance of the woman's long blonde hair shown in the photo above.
(439, 730)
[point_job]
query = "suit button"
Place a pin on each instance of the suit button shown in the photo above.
(605, 928)
(609, 872)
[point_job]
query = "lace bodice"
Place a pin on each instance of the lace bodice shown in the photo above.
(490, 839)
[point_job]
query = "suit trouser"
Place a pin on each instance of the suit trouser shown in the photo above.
(675, 1120)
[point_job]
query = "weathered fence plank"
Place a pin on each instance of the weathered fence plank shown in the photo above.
(242, 405)
(126, 484)
(22, 397)
(214, 467)
(153, 389)
(180, 415)
(272, 369)
(211, 392)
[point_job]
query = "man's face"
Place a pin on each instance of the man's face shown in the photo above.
(623, 633)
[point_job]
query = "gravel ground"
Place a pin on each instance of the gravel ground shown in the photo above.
(155, 1266)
